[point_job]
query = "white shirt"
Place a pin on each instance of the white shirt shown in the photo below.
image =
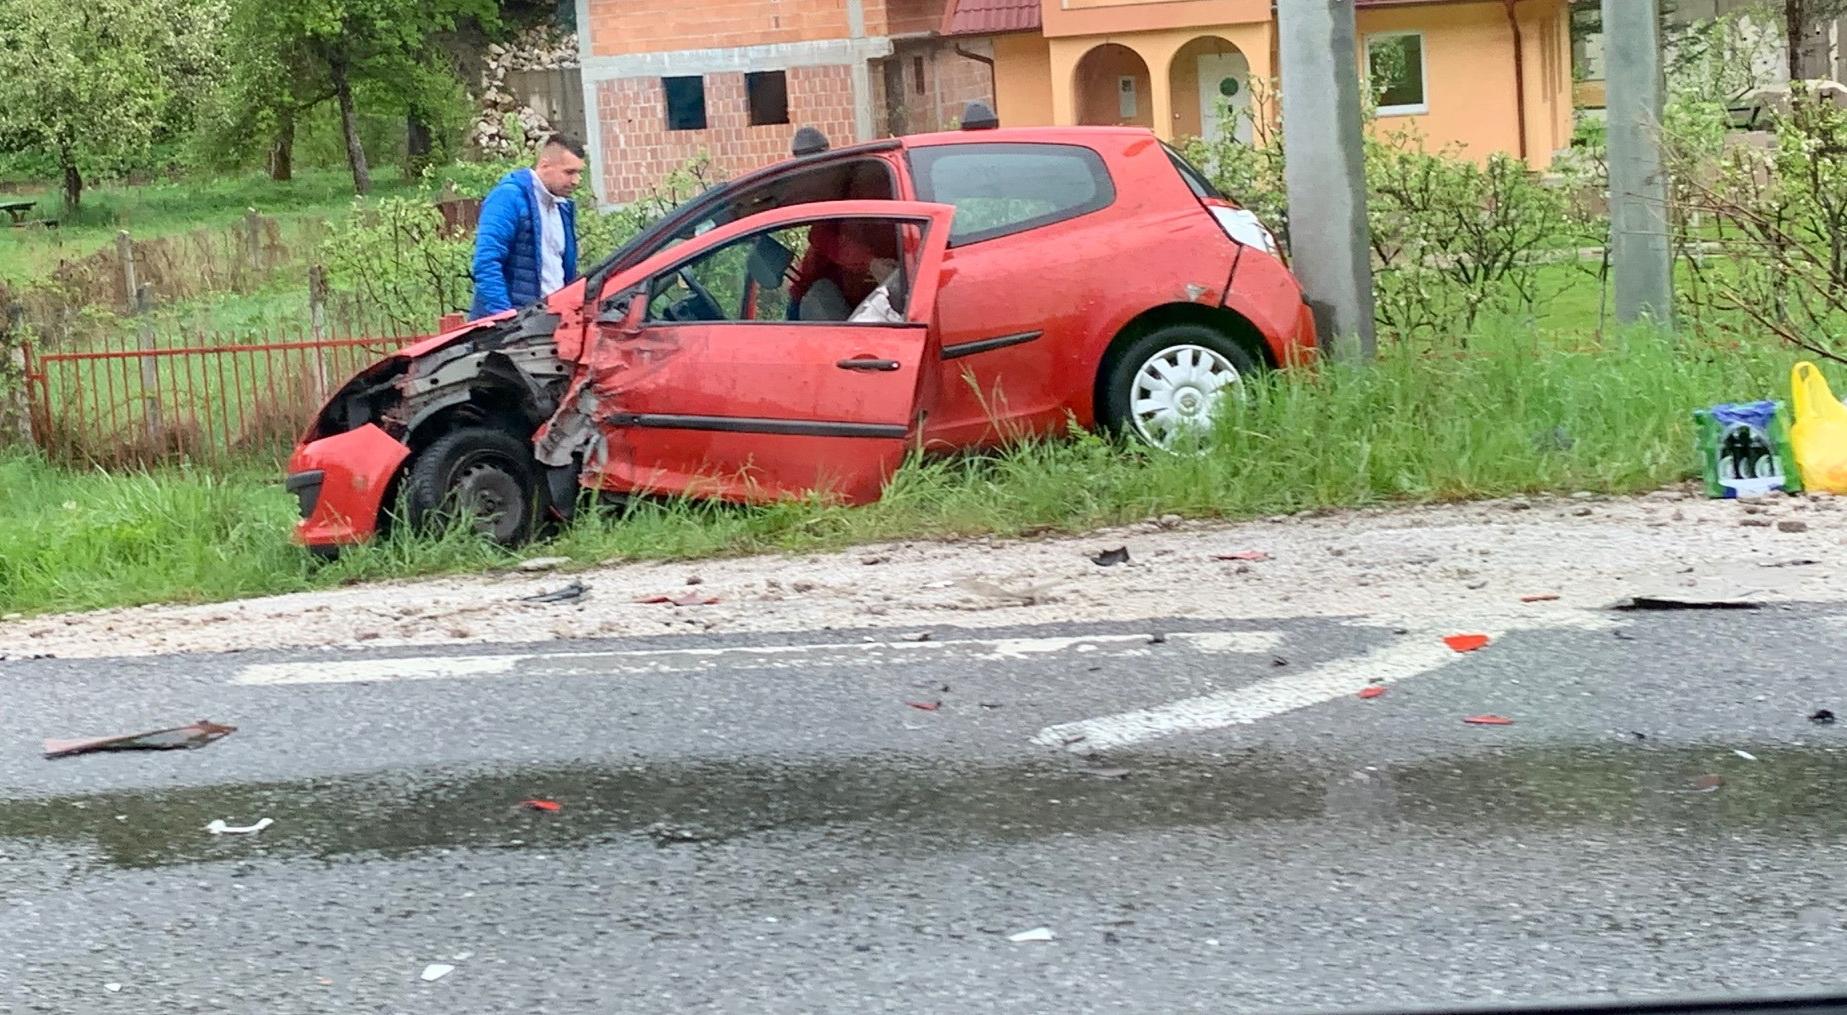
(551, 240)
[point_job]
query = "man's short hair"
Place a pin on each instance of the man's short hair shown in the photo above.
(565, 141)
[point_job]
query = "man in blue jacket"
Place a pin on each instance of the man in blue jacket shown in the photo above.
(526, 243)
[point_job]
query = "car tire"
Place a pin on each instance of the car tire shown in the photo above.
(1172, 375)
(486, 471)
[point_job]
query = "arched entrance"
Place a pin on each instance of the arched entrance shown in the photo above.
(1113, 88)
(1210, 81)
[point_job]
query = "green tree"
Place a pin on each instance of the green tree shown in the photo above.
(291, 55)
(94, 84)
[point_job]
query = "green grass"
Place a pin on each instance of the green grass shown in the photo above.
(176, 206)
(1517, 412)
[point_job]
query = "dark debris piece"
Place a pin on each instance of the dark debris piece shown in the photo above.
(179, 738)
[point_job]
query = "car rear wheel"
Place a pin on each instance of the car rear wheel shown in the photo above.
(484, 474)
(1172, 381)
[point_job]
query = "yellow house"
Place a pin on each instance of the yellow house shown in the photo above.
(1492, 75)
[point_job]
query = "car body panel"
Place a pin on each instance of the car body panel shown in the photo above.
(355, 470)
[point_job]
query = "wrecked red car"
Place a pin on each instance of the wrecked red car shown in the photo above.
(803, 327)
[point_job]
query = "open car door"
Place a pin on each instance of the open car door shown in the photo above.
(770, 357)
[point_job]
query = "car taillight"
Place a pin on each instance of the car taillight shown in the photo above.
(1241, 225)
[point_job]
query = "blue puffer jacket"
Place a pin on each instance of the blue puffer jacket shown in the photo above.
(508, 246)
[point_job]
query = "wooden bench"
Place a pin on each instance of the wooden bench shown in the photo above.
(17, 208)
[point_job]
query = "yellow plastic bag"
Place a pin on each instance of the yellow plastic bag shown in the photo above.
(1819, 433)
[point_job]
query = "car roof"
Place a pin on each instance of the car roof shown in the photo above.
(1021, 135)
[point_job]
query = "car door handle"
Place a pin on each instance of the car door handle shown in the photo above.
(868, 363)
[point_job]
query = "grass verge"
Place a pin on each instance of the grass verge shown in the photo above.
(1516, 412)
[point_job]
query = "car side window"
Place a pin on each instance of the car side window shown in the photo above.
(845, 270)
(1001, 189)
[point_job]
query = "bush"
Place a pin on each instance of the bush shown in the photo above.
(1451, 237)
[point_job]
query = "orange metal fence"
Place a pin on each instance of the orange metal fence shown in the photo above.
(201, 397)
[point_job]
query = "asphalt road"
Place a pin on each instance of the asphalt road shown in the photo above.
(1205, 820)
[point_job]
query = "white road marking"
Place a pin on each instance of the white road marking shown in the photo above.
(634, 661)
(1411, 655)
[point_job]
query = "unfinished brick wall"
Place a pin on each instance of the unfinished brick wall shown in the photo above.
(639, 151)
(934, 99)
(652, 26)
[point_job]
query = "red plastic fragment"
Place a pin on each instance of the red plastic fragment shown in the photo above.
(1243, 555)
(1372, 692)
(198, 734)
(1488, 720)
(541, 805)
(1465, 642)
(927, 706)
(1543, 597)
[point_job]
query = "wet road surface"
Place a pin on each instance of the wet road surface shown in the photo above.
(768, 824)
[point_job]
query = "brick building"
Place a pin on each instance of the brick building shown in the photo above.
(665, 80)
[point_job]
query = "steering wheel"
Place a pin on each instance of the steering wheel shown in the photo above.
(699, 305)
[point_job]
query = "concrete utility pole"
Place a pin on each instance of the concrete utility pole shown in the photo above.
(1330, 245)
(1641, 262)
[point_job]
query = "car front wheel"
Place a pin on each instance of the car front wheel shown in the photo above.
(481, 473)
(1172, 381)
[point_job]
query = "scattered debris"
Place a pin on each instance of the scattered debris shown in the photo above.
(537, 804)
(1250, 555)
(1029, 596)
(543, 563)
(1157, 638)
(569, 593)
(1638, 734)
(917, 636)
(1822, 716)
(1169, 521)
(1543, 597)
(1746, 755)
(1465, 642)
(1476, 586)
(664, 834)
(1372, 692)
(1707, 783)
(1104, 773)
(1792, 525)
(989, 704)
(1036, 934)
(1488, 720)
(870, 561)
(693, 579)
(925, 706)
(436, 971)
(1278, 661)
(198, 734)
(1110, 558)
(1634, 603)
(113, 988)
(218, 827)
(1797, 562)
(683, 599)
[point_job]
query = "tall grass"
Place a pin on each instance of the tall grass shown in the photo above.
(1516, 412)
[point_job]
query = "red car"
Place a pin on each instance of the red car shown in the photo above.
(803, 327)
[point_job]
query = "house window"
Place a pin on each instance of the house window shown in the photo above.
(917, 73)
(768, 95)
(1395, 72)
(685, 102)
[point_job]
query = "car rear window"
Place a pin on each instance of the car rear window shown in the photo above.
(1001, 189)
